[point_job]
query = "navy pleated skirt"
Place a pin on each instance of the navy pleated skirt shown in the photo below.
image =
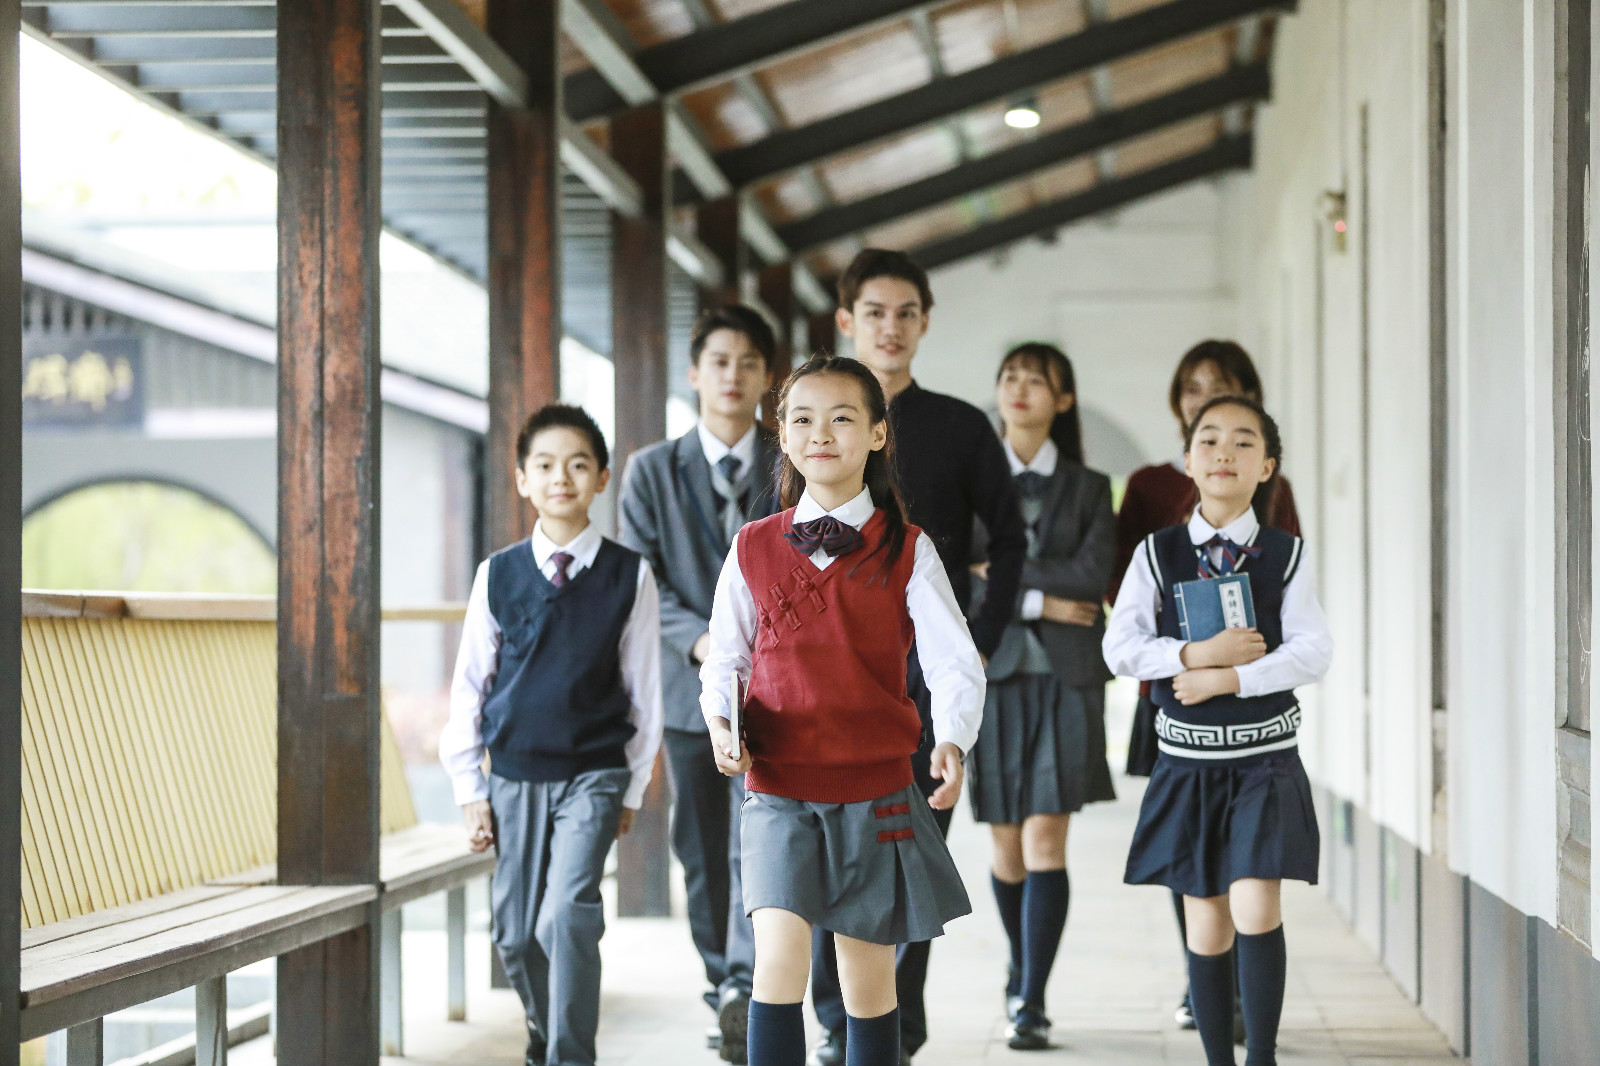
(1041, 750)
(1205, 824)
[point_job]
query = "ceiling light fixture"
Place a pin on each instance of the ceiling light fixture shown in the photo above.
(1022, 116)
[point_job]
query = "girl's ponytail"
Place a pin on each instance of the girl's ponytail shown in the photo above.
(879, 475)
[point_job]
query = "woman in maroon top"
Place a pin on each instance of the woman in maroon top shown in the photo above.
(1162, 495)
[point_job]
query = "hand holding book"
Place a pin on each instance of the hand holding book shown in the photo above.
(1231, 647)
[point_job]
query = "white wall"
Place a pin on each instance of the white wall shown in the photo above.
(1124, 296)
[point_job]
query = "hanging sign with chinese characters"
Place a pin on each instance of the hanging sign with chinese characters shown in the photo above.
(87, 381)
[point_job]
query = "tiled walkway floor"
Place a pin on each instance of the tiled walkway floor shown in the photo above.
(1111, 997)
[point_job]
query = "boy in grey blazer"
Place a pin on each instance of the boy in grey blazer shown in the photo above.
(682, 501)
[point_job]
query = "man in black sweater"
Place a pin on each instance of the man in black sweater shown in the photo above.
(952, 469)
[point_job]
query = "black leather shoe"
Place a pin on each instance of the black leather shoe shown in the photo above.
(1184, 1015)
(829, 1050)
(1030, 1031)
(733, 1018)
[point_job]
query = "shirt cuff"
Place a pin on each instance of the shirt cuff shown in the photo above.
(633, 799)
(470, 788)
(1032, 605)
(1251, 683)
(1172, 652)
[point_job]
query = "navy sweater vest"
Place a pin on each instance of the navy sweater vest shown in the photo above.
(1231, 726)
(557, 707)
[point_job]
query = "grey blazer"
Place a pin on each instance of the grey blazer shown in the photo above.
(1074, 547)
(668, 512)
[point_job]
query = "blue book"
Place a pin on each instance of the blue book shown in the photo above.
(1207, 607)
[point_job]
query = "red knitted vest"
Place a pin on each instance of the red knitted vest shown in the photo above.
(827, 718)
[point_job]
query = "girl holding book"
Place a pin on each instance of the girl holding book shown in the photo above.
(1228, 812)
(1161, 495)
(1041, 753)
(817, 609)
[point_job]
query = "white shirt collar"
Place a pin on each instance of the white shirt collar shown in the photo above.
(744, 449)
(1044, 461)
(583, 548)
(858, 512)
(1241, 530)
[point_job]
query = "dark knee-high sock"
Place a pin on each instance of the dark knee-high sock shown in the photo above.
(776, 1034)
(871, 1041)
(1263, 966)
(1211, 996)
(1008, 898)
(1044, 916)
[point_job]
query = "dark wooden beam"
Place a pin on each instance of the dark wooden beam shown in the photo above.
(11, 538)
(524, 252)
(775, 286)
(639, 362)
(328, 475)
(822, 334)
(1236, 86)
(722, 51)
(716, 225)
(1103, 43)
(1228, 154)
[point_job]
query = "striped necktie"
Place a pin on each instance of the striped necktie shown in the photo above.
(562, 560)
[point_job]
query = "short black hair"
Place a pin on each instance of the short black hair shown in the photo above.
(562, 416)
(740, 319)
(872, 263)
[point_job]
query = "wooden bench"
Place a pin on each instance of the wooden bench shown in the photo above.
(149, 809)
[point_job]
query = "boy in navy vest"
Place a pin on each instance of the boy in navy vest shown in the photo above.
(559, 682)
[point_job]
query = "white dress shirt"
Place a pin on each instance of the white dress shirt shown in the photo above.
(1133, 646)
(744, 449)
(461, 747)
(1031, 606)
(950, 662)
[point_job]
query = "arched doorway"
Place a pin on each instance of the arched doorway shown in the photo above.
(143, 536)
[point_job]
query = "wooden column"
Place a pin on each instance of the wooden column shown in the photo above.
(328, 476)
(639, 358)
(822, 334)
(716, 225)
(524, 253)
(776, 289)
(10, 536)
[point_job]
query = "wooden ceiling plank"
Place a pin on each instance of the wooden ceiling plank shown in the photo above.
(1017, 73)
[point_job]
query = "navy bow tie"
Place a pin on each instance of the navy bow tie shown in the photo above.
(1031, 484)
(1232, 555)
(828, 533)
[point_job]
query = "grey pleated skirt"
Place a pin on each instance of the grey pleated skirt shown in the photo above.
(1041, 750)
(876, 871)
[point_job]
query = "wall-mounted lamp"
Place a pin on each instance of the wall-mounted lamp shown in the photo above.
(1335, 212)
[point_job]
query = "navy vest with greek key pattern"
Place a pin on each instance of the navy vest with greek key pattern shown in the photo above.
(1225, 727)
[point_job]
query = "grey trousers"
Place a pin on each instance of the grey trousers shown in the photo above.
(551, 840)
(705, 837)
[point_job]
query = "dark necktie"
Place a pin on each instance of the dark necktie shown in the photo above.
(827, 533)
(562, 560)
(1031, 484)
(1232, 555)
(728, 466)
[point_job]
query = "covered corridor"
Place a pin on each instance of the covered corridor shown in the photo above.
(431, 216)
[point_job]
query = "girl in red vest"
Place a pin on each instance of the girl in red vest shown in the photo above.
(816, 611)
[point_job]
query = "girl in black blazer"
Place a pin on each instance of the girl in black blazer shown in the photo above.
(1041, 754)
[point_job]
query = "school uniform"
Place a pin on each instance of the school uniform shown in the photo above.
(1228, 797)
(681, 504)
(834, 826)
(558, 681)
(1042, 749)
(1158, 496)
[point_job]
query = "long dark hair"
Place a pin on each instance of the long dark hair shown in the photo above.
(1066, 429)
(879, 475)
(1266, 492)
(1231, 361)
